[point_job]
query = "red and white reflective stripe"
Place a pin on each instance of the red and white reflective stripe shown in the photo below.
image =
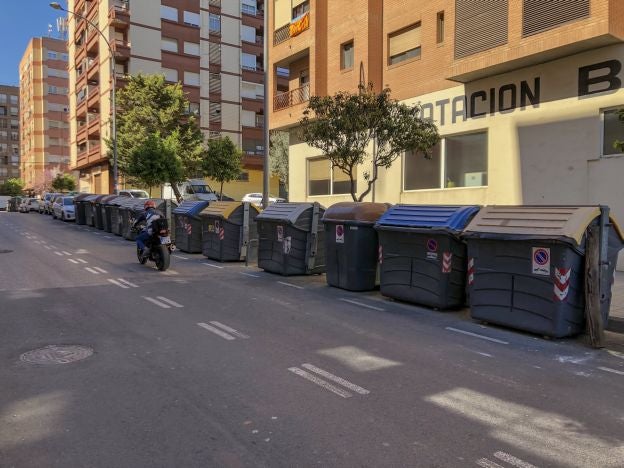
(380, 255)
(447, 259)
(561, 285)
(189, 228)
(471, 269)
(221, 234)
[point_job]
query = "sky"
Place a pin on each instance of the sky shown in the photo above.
(22, 20)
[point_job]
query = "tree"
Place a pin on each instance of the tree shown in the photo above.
(12, 187)
(64, 183)
(222, 161)
(343, 127)
(618, 144)
(278, 155)
(149, 110)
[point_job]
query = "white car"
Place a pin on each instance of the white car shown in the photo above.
(63, 208)
(28, 205)
(256, 199)
(133, 193)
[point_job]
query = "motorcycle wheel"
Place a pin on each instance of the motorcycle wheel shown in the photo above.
(141, 258)
(162, 257)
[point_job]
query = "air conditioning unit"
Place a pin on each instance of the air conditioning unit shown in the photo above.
(475, 179)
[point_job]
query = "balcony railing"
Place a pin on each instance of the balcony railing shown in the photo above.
(259, 121)
(291, 98)
(292, 29)
(215, 3)
(281, 34)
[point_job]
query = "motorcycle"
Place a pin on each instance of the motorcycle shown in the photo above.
(159, 243)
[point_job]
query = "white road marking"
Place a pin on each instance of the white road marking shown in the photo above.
(132, 285)
(37, 242)
(73, 261)
(48, 247)
(613, 371)
(58, 253)
(230, 330)
(513, 460)
(169, 301)
(170, 272)
(361, 304)
(101, 270)
(358, 359)
(91, 270)
(158, 303)
(180, 256)
(318, 381)
(53, 246)
(290, 285)
(484, 354)
(250, 274)
(216, 331)
(334, 378)
(117, 283)
(485, 463)
(81, 260)
(107, 237)
(43, 242)
(66, 252)
(212, 265)
(476, 335)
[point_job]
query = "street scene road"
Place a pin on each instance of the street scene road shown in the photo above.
(213, 364)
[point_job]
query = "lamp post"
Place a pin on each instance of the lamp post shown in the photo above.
(267, 142)
(58, 6)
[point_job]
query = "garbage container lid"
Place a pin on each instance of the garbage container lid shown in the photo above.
(287, 213)
(81, 196)
(106, 199)
(224, 209)
(190, 207)
(451, 218)
(567, 223)
(361, 212)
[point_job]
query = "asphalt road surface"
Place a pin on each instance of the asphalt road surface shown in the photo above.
(219, 365)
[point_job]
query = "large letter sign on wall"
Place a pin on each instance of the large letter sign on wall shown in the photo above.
(610, 78)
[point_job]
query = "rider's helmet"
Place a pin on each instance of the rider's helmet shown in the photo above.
(149, 204)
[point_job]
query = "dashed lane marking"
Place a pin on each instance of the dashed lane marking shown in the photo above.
(91, 270)
(81, 260)
(320, 382)
(128, 283)
(514, 461)
(476, 335)
(73, 261)
(361, 304)
(290, 285)
(117, 283)
(485, 463)
(169, 301)
(65, 252)
(230, 330)
(48, 247)
(180, 257)
(58, 253)
(101, 270)
(157, 302)
(212, 265)
(612, 371)
(216, 331)
(334, 378)
(170, 273)
(250, 274)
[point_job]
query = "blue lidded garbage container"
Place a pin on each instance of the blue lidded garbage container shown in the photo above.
(423, 258)
(351, 245)
(526, 266)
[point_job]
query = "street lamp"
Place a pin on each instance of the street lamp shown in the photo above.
(58, 6)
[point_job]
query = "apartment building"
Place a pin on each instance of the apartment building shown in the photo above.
(44, 135)
(9, 133)
(213, 48)
(525, 95)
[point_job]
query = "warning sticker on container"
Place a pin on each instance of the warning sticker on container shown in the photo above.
(339, 234)
(541, 261)
(432, 245)
(280, 233)
(287, 245)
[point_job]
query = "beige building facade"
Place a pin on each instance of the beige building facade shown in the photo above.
(9, 133)
(212, 47)
(526, 102)
(44, 125)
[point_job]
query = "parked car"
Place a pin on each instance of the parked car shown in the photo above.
(4, 202)
(256, 199)
(63, 208)
(47, 201)
(133, 193)
(29, 204)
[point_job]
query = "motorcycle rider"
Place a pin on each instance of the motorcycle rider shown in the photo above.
(150, 215)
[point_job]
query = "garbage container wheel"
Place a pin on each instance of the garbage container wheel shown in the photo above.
(141, 258)
(162, 257)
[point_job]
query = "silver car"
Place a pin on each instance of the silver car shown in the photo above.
(63, 208)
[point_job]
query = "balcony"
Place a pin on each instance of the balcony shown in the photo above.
(94, 151)
(93, 40)
(81, 130)
(81, 79)
(292, 29)
(119, 14)
(259, 121)
(291, 98)
(93, 119)
(93, 67)
(215, 3)
(121, 49)
(93, 96)
(81, 107)
(81, 51)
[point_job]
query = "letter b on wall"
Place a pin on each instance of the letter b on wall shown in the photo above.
(608, 76)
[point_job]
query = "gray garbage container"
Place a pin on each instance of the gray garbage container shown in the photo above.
(80, 205)
(117, 225)
(188, 225)
(90, 210)
(98, 215)
(526, 267)
(229, 231)
(423, 258)
(291, 239)
(106, 208)
(351, 245)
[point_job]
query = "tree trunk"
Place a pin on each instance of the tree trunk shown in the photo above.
(221, 192)
(176, 192)
(352, 182)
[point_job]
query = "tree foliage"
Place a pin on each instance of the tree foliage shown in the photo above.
(12, 187)
(64, 183)
(343, 127)
(278, 156)
(619, 144)
(222, 161)
(158, 141)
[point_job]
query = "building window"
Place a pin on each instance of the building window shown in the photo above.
(243, 177)
(248, 34)
(14, 124)
(170, 45)
(192, 19)
(215, 24)
(3, 110)
(52, 55)
(14, 112)
(168, 13)
(171, 75)
(457, 161)
(249, 61)
(300, 8)
(404, 45)
(191, 48)
(325, 180)
(191, 78)
(249, 7)
(612, 131)
(14, 136)
(440, 27)
(3, 98)
(65, 57)
(346, 55)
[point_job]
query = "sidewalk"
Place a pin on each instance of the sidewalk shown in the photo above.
(616, 315)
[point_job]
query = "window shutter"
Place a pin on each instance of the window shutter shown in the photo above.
(538, 15)
(480, 25)
(405, 40)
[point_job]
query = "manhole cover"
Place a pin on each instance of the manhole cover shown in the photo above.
(55, 354)
(5, 251)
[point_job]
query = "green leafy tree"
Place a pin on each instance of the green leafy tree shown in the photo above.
(149, 109)
(619, 144)
(222, 161)
(345, 125)
(64, 183)
(12, 187)
(278, 156)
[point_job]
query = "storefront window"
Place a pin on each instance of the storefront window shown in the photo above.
(420, 172)
(613, 131)
(341, 182)
(323, 180)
